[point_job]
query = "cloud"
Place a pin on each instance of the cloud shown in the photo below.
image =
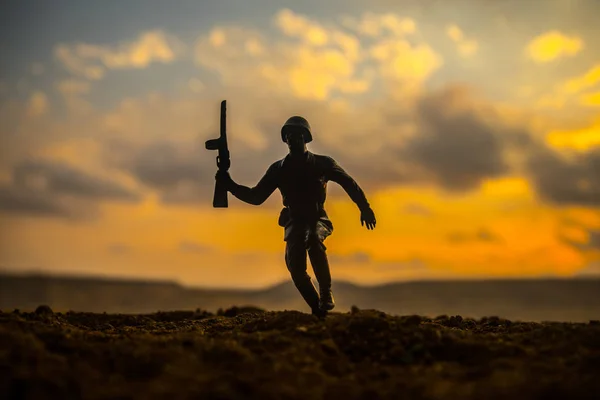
(592, 270)
(298, 26)
(37, 69)
(38, 104)
(58, 178)
(21, 201)
(399, 60)
(446, 137)
(181, 174)
(590, 247)
(307, 71)
(460, 143)
(51, 188)
(466, 47)
(590, 100)
(375, 25)
(92, 61)
(314, 60)
(578, 139)
(573, 86)
(553, 45)
(70, 87)
(564, 181)
(577, 84)
(196, 85)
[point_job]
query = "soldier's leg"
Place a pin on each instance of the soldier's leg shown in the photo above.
(295, 258)
(317, 251)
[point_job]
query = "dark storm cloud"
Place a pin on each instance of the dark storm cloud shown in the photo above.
(458, 141)
(162, 165)
(180, 172)
(567, 182)
(58, 178)
(29, 202)
(456, 146)
(48, 188)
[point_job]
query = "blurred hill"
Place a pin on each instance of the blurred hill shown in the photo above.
(576, 300)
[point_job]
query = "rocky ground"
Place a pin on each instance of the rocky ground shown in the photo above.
(247, 353)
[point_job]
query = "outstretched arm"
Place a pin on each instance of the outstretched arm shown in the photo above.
(255, 195)
(337, 174)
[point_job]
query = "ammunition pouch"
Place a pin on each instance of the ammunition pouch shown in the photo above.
(284, 217)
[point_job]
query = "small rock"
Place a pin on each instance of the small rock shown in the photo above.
(44, 310)
(329, 347)
(455, 321)
(413, 319)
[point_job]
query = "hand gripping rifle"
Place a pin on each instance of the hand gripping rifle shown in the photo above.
(223, 162)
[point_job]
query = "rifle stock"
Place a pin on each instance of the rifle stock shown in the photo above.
(220, 199)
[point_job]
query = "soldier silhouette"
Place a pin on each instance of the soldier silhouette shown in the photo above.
(302, 178)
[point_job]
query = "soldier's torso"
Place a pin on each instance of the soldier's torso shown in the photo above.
(303, 184)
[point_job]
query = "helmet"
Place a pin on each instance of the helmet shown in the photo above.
(301, 122)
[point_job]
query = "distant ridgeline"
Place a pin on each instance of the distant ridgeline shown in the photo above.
(576, 300)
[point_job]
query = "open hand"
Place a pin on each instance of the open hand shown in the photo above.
(367, 217)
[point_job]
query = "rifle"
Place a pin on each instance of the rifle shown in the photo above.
(223, 162)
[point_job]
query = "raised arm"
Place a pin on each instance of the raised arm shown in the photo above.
(257, 194)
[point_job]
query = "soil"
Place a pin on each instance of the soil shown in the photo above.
(250, 353)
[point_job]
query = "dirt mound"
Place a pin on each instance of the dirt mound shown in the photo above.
(247, 352)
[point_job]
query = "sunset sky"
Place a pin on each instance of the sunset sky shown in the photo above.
(472, 126)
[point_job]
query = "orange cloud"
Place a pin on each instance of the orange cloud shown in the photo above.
(552, 45)
(579, 83)
(376, 25)
(590, 99)
(91, 61)
(578, 139)
(38, 104)
(466, 47)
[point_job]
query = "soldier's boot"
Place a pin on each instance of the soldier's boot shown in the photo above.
(320, 264)
(326, 301)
